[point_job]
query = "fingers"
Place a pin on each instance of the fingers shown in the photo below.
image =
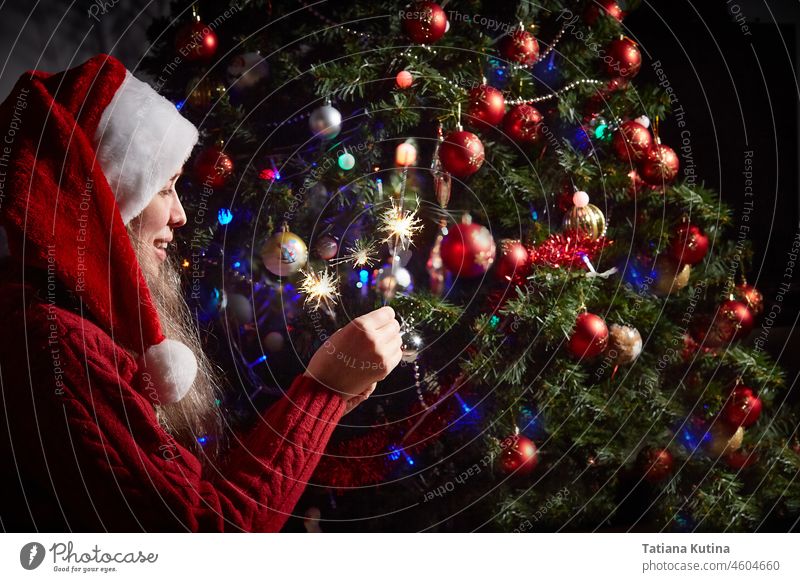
(390, 329)
(375, 319)
(389, 325)
(391, 353)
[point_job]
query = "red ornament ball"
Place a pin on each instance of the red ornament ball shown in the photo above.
(590, 336)
(632, 141)
(709, 333)
(660, 165)
(195, 41)
(751, 296)
(742, 408)
(736, 315)
(327, 247)
(520, 47)
(487, 105)
(689, 246)
(656, 464)
(616, 84)
(404, 79)
(212, 167)
(461, 154)
(468, 250)
(741, 459)
(523, 123)
(623, 58)
(424, 22)
(520, 455)
(596, 8)
(513, 261)
(637, 185)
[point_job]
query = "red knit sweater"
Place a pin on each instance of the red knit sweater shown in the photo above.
(81, 450)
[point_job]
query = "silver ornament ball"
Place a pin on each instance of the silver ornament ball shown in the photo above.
(326, 122)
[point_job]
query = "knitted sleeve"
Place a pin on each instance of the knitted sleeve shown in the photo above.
(91, 437)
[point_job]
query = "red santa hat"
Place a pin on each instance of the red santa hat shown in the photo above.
(90, 148)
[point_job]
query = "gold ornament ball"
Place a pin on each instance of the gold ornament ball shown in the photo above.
(626, 343)
(587, 219)
(284, 254)
(724, 440)
(671, 276)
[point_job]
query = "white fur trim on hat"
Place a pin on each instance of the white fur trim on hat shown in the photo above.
(141, 142)
(169, 368)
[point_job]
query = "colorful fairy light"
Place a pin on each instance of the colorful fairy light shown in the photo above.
(269, 174)
(224, 216)
(405, 155)
(347, 161)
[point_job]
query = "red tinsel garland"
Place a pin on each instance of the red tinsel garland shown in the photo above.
(557, 250)
(567, 250)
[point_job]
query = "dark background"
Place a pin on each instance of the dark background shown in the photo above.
(740, 92)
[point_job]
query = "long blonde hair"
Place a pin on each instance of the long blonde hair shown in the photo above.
(197, 414)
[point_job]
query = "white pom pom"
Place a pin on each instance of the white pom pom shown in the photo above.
(580, 199)
(168, 371)
(643, 120)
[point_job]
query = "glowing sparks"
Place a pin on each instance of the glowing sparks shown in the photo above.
(321, 289)
(400, 226)
(363, 253)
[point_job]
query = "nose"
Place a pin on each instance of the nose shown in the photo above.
(177, 216)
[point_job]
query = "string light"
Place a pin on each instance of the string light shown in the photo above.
(405, 155)
(347, 161)
(224, 216)
(559, 93)
(552, 46)
(269, 174)
(330, 22)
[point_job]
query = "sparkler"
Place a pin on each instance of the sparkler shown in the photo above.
(363, 253)
(321, 290)
(400, 226)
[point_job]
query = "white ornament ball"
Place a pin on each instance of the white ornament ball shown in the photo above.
(274, 341)
(240, 308)
(326, 122)
(247, 70)
(580, 199)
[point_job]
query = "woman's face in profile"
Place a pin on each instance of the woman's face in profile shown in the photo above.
(155, 224)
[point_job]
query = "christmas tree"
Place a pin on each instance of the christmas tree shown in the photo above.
(573, 300)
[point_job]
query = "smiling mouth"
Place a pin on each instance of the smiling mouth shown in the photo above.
(161, 246)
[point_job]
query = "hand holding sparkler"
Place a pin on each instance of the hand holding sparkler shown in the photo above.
(358, 355)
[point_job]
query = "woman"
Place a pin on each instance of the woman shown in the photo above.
(105, 387)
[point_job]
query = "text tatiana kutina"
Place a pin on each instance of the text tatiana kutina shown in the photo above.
(65, 553)
(683, 549)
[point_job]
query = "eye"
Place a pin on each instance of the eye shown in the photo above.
(166, 193)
